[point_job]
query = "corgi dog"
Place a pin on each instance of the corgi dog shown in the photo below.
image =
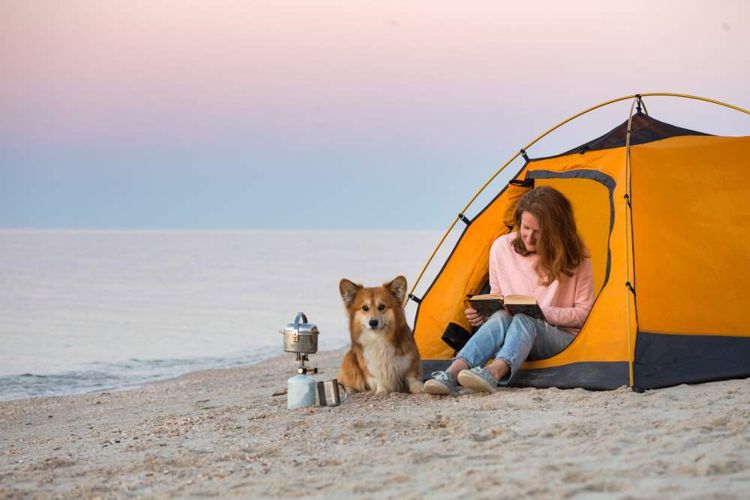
(383, 356)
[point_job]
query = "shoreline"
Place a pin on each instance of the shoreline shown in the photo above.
(155, 379)
(221, 432)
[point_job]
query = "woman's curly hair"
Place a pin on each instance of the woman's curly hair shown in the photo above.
(559, 246)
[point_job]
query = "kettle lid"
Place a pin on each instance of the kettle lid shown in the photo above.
(301, 326)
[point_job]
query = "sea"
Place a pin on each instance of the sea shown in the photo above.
(84, 311)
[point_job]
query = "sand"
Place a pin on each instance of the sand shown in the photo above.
(222, 433)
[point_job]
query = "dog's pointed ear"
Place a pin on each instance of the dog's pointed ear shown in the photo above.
(348, 291)
(398, 288)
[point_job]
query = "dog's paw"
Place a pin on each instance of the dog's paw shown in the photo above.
(416, 386)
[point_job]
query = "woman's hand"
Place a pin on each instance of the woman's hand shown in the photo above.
(474, 317)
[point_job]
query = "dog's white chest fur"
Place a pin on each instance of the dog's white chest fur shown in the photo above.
(386, 368)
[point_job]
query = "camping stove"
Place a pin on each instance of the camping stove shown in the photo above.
(301, 338)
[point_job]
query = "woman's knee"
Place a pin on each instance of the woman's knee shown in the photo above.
(500, 319)
(493, 330)
(494, 325)
(523, 323)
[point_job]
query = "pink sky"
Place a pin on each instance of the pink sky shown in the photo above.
(197, 113)
(187, 71)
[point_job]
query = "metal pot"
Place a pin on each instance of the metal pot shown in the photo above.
(301, 337)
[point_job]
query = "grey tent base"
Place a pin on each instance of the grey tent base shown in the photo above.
(663, 360)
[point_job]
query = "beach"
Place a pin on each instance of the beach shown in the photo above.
(223, 433)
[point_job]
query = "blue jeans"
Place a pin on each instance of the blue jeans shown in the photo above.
(513, 339)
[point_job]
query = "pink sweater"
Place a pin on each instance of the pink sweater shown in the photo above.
(566, 304)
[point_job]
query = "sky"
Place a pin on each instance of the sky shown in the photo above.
(320, 114)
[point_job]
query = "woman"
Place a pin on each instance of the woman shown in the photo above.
(545, 259)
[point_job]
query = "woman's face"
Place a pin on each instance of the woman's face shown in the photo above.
(529, 231)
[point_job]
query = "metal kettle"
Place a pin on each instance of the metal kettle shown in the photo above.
(300, 337)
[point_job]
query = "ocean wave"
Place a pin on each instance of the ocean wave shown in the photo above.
(98, 376)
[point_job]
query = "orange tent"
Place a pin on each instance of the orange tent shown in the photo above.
(665, 213)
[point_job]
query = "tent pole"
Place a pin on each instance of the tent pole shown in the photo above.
(547, 132)
(697, 98)
(629, 236)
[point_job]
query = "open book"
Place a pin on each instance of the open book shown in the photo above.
(488, 304)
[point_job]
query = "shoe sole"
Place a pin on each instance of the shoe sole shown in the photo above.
(474, 382)
(436, 388)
